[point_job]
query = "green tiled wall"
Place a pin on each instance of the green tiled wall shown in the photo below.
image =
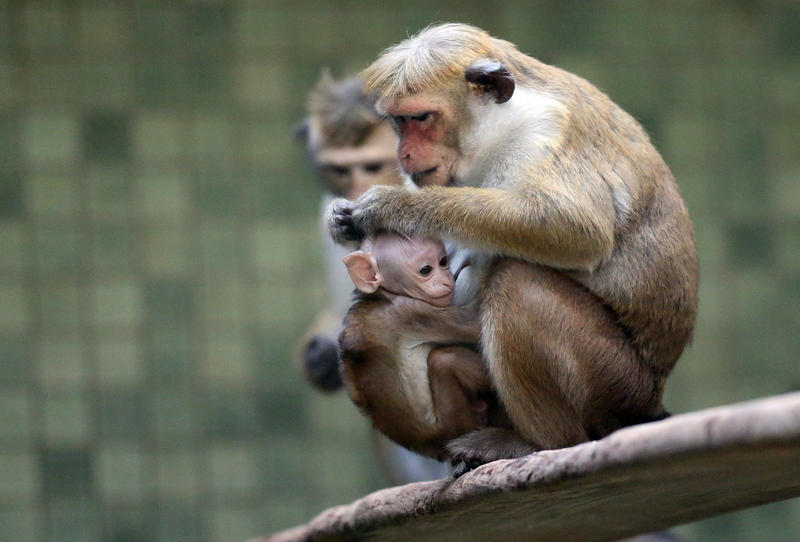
(159, 252)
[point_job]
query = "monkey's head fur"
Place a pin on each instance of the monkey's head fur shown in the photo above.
(435, 57)
(340, 113)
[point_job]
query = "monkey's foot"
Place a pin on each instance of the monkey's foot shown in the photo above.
(485, 445)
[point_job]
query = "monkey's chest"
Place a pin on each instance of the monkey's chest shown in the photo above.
(414, 379)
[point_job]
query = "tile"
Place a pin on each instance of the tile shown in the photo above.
(15, 308)
(106, 136)
(73, 520)
(159, 136)
(162, 198)
(20, 523)
(229, 414)
(51, 82)
(109, 191)
(112, 250)
(257, 29)
(234, 523)
(179, 474)
(219, 194)
(106, 84)
(66, 419)
(11, 195)
(212, 140)
(103, 30)
(49, 139)
(169, 301)
(222, 300)
(220, 246)
(181, 521)
(59, 303)
(51, 198)
(21, 478)
(175, 416)
(17, 413)
(283, 411)
(233, 470)
(167, 252)
(162, 81)
(123, 414)
(60, 251)
(119, 361)
(44, 28)
(16, 353)
(61, 362)
(286, 465)
(254, 84)
(15, 248)
(227, 360)
(170, 354)
(118, 302)
(290, 510)
(66, 472)
(750, 244)
(120, 472)
(128, 522)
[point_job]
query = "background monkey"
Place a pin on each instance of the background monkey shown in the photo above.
(416, 392)
(351, 148)
(589, 286)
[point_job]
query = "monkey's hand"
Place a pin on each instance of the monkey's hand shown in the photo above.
(384, 208)
(341, 224)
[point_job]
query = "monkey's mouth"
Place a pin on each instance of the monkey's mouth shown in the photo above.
(419, 176)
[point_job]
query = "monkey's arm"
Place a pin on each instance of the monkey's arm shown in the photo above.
(426, 323)
(457, 378)
(563, 216)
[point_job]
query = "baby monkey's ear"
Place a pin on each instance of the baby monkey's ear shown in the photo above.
(363, 270)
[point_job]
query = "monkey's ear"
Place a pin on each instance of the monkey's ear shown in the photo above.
(493, 78)
(363, 270)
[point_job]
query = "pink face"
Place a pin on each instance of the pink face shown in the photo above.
(423, 124)
(416, 268)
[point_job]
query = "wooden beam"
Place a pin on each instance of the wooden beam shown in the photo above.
(637, 480)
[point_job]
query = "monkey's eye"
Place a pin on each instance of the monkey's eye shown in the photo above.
(426, 270)
(443, 262)
(422, 117)
(373, 167)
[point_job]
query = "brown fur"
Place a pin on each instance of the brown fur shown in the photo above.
(372, 364)
(581, 342)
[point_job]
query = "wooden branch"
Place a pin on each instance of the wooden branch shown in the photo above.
(639, 479)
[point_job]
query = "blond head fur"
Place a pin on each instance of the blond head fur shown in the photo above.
(433, 58)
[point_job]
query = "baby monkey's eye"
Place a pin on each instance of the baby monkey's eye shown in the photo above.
(422, 117)
(426, 270)
(443, 262)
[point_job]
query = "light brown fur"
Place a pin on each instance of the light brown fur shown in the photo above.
(458, 397)
(580, 342)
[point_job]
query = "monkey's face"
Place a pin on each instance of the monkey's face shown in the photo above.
(418, 268)
(428, 148)
(350, 171)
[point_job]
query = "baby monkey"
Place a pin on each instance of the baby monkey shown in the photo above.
(409, 359)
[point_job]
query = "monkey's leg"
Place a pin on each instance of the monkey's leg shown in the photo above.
(563, 368)
(457, 375)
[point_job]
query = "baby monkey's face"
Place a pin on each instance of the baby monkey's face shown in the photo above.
(425, 273)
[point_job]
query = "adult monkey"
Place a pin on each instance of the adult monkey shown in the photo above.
(590, 244)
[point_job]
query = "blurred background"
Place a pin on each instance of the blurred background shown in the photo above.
(160, 252)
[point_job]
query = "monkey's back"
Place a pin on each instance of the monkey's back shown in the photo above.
(386, 373)
(650, 279)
